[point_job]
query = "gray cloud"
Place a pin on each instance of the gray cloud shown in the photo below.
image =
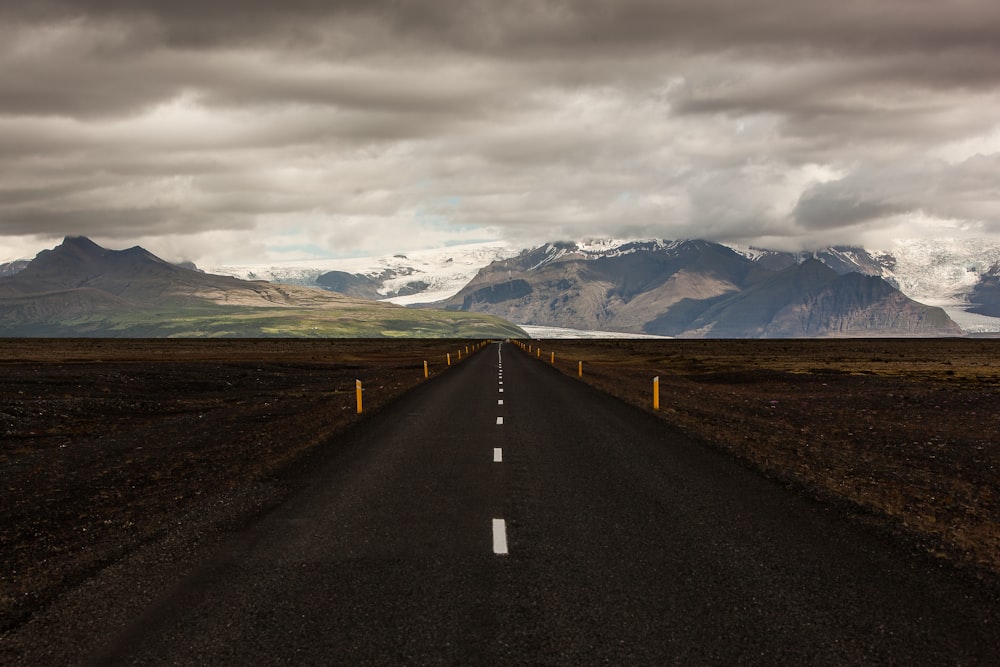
(820, 209)
(364, 124)
(964, 191)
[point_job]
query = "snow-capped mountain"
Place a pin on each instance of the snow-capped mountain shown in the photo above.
(947, 273)
(81, 289)
(945, 270)
(694, 289)
(420, 276)
(940, 272)
(960, 276)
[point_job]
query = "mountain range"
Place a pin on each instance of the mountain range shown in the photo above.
(82, 289)
(680, 288)
(695, 289)
(959, 276)
(420, 276)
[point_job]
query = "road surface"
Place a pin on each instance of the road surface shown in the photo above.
(506, 514)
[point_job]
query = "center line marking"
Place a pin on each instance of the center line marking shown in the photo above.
(499, 537)
(501, 390)
(497, 455)
(500, 402)
(499, 421)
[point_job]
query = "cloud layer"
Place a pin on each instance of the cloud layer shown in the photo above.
(226, 130)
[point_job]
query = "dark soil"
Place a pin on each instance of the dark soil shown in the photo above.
(904, 432)
(105, 446)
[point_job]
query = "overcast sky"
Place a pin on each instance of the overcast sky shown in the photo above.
(234, 130)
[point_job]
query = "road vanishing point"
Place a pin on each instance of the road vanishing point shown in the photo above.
(505, 514)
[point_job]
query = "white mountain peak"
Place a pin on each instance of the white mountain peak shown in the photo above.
(939, 272)
(431, 275)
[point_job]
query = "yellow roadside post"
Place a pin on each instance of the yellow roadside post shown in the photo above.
(656, 393)
(579, 371)
(425, 368)
(539, 355)
(459, 354)
(553, 360)
(449, 358)
(357, 387)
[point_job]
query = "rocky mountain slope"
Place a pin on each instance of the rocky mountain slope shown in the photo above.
(960, 276)
(82, 289)
(950, 273)
(693, 289)
(956, 274)
(985, 295)
(12, 267)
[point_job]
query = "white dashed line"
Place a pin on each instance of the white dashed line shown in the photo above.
(499, 537)
(499, 525)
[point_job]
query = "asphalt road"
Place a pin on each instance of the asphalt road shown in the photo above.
(506, 514)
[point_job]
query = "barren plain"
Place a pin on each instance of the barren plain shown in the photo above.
(108, 446)
(902, 432)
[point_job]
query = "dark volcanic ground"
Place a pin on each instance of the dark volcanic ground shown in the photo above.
(903, 432)
(108, 447)
(106, 443)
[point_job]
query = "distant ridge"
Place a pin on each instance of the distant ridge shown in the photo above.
(951, 273)
(81, 289)
(960, 276)
(10, 268)
(694, 288)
